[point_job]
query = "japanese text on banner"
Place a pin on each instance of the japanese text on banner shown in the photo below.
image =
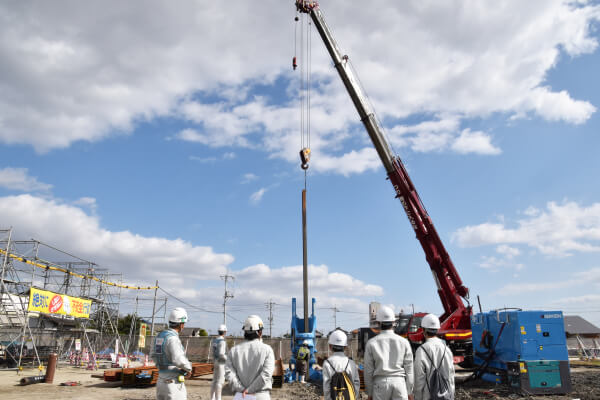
(54, 303)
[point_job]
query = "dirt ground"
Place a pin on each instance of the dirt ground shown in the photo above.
(586, 386)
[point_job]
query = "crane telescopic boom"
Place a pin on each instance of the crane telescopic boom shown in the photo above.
(450, 287)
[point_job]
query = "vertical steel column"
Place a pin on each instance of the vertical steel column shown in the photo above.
(4, 267)
(304, 261)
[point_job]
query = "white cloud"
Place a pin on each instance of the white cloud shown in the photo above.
(67, 79)
(249, 177)
(257, 196)
(426, 142)
(560, 230)
(260, 282)
(19, 179)
(353, 162)
(531, 211)
(182, 267)
(590, 277)
(138, 257)
(516, 288)
(584, 299)
(88, 202)
(440, 135)
(204, 160)
(508, 251)
(474, 142)
(495, 263)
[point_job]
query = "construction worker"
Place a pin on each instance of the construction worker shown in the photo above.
(388, 362)
(219, 351)
(339, 362)
(169, 357)
(250, 364)
(302, 359)
(432, 355)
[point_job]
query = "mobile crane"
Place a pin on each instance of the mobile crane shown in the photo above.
(456, 319)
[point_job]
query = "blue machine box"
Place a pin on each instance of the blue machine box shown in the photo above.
(528, 349)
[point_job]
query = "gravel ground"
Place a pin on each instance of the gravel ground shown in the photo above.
(585, 382)
(586, 386)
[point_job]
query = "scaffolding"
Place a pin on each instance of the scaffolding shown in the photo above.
(27, 336)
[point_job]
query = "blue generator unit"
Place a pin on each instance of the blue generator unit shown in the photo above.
(525, 349)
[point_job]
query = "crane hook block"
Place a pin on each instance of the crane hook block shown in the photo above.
(294, 63)
(305, 157)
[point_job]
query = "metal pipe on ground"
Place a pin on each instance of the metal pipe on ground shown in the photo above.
(30, 380)
(51, 368)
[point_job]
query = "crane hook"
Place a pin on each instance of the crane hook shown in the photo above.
(305, 157)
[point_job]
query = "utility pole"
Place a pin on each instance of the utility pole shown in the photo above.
(153, 310)
(270, 305)
(226, 295)
(335, 310)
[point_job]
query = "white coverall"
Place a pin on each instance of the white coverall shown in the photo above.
(388, 367)
(219, 350)
(436, 349)
(168, 387)
(339, 361)
(250, 367)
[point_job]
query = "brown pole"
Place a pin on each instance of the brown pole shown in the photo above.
(51, 367)
(304, 261)
(305, 278)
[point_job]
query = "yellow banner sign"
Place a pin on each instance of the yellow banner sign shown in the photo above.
(54, 303)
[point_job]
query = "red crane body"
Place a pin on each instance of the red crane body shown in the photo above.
(456, 319)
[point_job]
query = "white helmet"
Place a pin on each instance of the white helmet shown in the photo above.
(430, 321)
(338, 338)
(253, 323)
(222, 328)
(178, 315)
(386, 314)
(306, 342)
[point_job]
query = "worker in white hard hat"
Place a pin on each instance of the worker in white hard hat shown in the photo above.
(339, 362)
(169, 356)
(388, 362)
(302, 360)
(432, 355)
(219, 351)
(250, 364)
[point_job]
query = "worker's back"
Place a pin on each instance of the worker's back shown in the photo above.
(245, 362)
(388, 365)
(433, 354)
(391, 355)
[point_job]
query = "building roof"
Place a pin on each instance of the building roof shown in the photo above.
(575, 325)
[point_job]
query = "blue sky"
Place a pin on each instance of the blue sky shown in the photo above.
(163, 142)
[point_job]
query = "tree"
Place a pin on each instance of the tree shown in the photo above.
(203, 332)
(124, 325)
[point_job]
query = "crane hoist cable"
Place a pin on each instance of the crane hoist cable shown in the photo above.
(304, 62)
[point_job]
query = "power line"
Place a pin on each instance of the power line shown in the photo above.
(188, 304)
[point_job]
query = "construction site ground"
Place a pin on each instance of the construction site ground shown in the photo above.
(586, 386)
